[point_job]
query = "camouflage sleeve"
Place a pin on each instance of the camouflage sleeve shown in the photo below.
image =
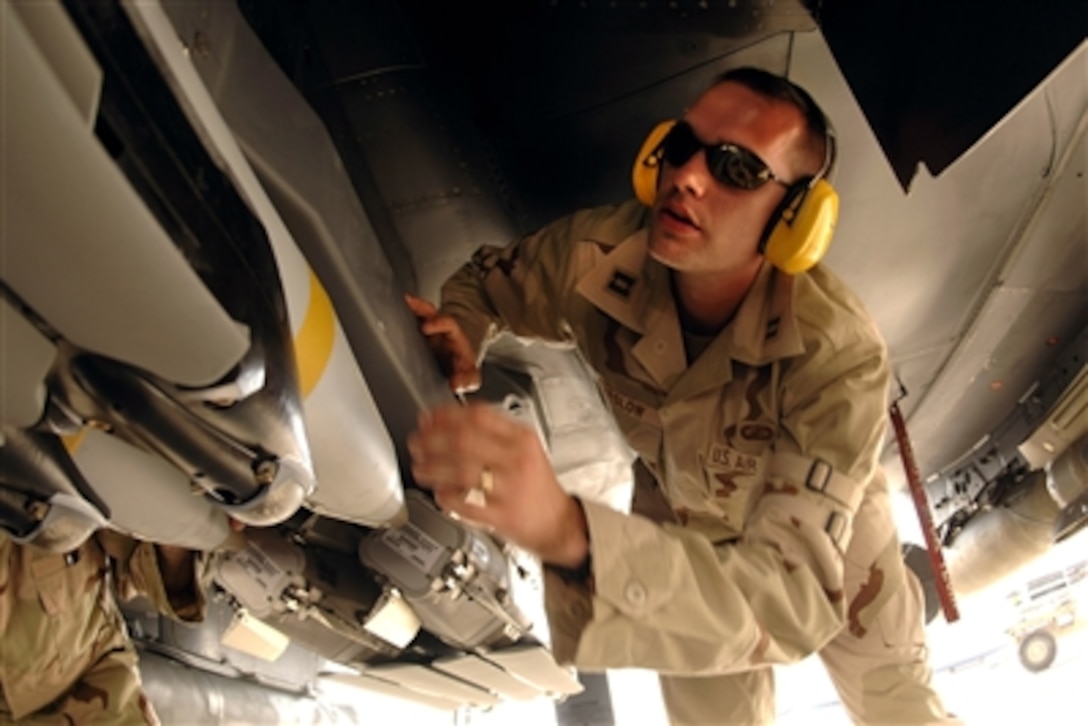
(519, 288)
(668, 599)
(138, 570)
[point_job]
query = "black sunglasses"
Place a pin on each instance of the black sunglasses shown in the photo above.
(732, 165)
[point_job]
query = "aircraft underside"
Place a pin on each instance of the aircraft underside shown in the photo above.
(204, 262)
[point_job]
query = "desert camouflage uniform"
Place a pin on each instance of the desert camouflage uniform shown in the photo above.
(778, 539)
(65, 655)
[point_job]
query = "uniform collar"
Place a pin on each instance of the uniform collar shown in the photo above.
(625, 284)
(765, 328)
(635, 290)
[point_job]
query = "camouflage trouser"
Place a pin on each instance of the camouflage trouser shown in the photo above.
(109, 693)
(742, 698)
(882, 677)
(878, 662)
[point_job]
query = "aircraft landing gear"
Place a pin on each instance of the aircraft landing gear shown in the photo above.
(1038, 650)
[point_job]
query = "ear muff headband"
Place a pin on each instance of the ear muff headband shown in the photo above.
(797, 235)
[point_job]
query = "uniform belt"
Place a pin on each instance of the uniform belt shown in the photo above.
(818, 476)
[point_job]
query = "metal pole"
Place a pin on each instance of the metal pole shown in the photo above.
(925, 518)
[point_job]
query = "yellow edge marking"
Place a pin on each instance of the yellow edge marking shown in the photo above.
(74, 441)
(313, 344)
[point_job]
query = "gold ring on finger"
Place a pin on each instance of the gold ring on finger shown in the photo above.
(487, 481)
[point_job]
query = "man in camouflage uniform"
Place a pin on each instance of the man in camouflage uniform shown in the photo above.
(757, 403)
(65, 655)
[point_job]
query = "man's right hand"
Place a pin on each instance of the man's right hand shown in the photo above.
(456, 448)
(448, 343)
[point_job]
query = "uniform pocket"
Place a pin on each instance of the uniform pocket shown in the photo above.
(732, 479)
(62, 580)
(56, 630)
(878, 598)
(900, 619)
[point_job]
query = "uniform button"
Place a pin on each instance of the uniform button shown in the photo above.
(635, 593)
(659, 346)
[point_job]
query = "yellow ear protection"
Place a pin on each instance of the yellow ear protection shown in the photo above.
(648, 164)
(800, 230)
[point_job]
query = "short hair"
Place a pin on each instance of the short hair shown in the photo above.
(819, 146)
